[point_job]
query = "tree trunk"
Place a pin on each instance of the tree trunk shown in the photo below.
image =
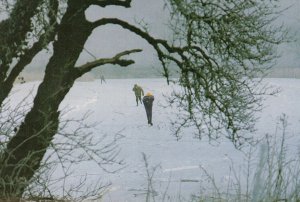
(25, 151)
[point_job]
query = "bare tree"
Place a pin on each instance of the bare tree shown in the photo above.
(75, 143)
(219, 47)
(228, 45)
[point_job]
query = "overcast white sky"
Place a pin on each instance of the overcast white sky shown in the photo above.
(291, 19)
(108, 40)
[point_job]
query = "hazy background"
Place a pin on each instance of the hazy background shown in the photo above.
(106, 41)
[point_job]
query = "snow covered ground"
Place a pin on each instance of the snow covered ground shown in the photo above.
(113, 106)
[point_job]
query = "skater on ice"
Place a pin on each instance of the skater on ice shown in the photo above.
(148, 102)
(139, 92)
(102, 79)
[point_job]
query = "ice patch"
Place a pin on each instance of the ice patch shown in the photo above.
(181, 168)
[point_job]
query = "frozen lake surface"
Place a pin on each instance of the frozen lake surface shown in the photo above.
(179, 162)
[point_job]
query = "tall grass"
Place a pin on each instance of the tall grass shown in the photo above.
(275, 176)
(271, 173)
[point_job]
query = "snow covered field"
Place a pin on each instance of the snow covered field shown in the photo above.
(113, 106)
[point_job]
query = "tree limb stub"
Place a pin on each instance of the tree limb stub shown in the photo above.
(102, 61)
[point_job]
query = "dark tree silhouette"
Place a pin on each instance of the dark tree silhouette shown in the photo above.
(14, 39)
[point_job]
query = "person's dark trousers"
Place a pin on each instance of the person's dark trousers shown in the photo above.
(138, 98)
(149, 113)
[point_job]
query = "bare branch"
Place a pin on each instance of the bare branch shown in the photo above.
(104, 3)
(14, 31)
(155, 43)
(114, 60)
(26, 55)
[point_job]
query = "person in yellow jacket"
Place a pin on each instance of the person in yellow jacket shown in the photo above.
(148, 103)
(139, 92)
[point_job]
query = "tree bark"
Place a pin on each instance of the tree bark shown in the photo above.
(26, 149)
